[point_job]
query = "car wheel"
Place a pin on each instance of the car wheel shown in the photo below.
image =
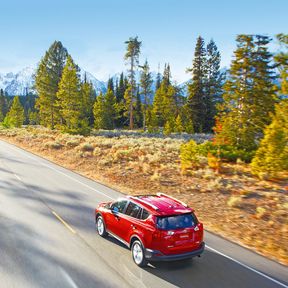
(100, 226)
(138, 254)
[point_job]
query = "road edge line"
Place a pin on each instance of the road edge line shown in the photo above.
(247, 267)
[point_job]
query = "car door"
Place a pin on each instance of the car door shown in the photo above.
(130, 221)
(114, 217)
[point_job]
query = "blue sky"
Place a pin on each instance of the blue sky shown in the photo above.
(94, 31)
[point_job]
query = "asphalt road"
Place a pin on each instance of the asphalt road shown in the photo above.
(48, 238)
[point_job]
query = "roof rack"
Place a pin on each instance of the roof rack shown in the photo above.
(172, 198)
(144, 202)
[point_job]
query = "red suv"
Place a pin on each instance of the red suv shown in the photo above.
(155, 227)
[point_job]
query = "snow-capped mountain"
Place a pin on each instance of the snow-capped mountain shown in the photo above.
(22, 82)
(98, 85)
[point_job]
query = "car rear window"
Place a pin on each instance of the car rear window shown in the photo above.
(176, 222)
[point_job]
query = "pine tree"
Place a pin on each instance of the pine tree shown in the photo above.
(138, 115)
(132, 56)
(169, 104)
(158, 105)
(272, 155)
(152, 123)
(110, 85)
(127, 104)
(186, 120)
(158, 78)
(165, 101)
(249, 94)
(33, 118)
(15, 116)
(109, 109)
(70, 101)
(282, 62)
(121, 89)
(116, 92)
(196, 89)
(104, 111)
(88, 95)
(47, 79)
(169, 126)
(99, 112)
(3, 105)
(167, 75)
(121, 107)
(28, 103)
(146, 90)
(213, 85)
(178, 124)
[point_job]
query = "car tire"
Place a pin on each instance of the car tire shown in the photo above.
(138, 254)
(100, 226)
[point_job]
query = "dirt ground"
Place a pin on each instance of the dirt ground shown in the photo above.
(233, 203)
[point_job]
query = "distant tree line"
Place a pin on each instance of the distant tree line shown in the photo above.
(238, 106)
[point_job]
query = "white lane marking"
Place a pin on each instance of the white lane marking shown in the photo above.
(247, 267)
(75, 180)
(60, 172)
(68, 278)
(11, 171)
(18, 177)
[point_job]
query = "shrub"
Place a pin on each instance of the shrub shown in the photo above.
(234, 201)
(53, 145)
(97, 151)
(230, 153)
(122, 154)
(260, 212)
(214, 162)
(72, 143)
(87, 147)
(155, 177)
(194, 155)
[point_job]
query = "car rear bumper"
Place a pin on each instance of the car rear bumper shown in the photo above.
(154, 255)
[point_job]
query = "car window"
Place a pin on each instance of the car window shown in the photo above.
(176, 222)
(145, 214)
(133, 210)
(119, 206)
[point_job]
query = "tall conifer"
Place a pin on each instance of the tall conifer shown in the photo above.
(88, 97)
(132, 56)
(281, 59)
(15, 117)
(3, 105)
(70, 101)
(249, 94)
(138, 115)
(146, 90)
(196, 89)
(213, 85)
(47, 79)
(104, 110)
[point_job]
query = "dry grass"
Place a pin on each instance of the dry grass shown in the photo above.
(233, 204)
